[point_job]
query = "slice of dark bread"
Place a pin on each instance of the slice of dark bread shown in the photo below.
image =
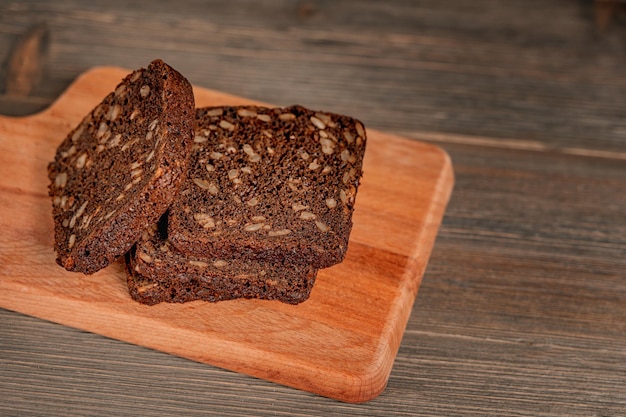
(276, 185)
(157, 272)
(119, 170)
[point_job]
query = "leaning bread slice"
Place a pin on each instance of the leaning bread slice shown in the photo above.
(157, 272)
(121, 167)
(275, 185)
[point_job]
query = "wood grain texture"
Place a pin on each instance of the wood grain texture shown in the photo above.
(521, 310)
(528, 70)
(341, 343)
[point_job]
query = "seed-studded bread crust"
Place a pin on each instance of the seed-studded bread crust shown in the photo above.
(276, 185)
(157, 272)
(118, 171)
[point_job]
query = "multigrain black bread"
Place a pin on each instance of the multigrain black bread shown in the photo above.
(273, 185)
(119, 170)
(157, 272)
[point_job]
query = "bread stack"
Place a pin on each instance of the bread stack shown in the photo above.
(209, 204)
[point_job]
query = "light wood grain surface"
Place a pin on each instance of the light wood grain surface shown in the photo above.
(522, 310)
(341, 343)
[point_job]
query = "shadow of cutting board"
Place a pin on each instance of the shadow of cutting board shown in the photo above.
(341, 343)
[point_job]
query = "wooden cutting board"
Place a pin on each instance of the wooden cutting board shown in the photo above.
(341, 343)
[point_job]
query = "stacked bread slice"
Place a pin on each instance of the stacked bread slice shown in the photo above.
(264, 200)
(157, 271)
(119, 170)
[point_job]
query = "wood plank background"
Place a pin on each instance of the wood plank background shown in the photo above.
(522, 310)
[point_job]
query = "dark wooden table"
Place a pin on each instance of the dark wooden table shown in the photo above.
(522, 310)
